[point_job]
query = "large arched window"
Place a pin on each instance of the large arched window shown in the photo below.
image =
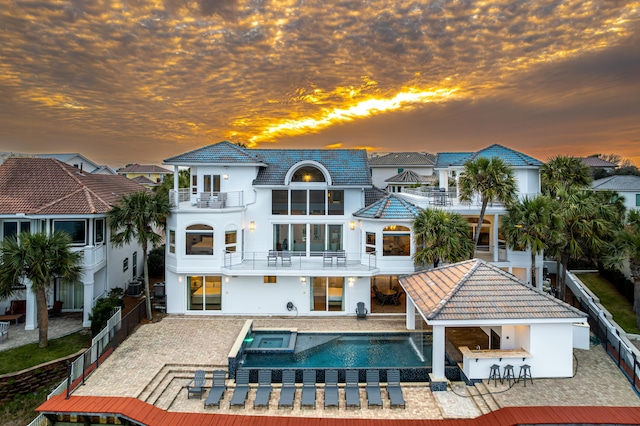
(308, 174)
(199, 240)
(396, 241)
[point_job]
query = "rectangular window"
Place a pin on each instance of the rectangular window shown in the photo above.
(172, 241)
(194, 184)
(336, 201)
(199, 241)
(317, 202)
(230, 238)
(317, 238)
(299, 237)
(134, 266)
(270, 279)
(370, 242)
(299, 202)
(75, 228)
(125, 264)
(279, 201)
(211, 183)
(335, 237)
(25, 227)
(9, 229)
(327, 294)
(396, 244)
(205, 293)
(280, 237)
(99, 231)
(637, 200)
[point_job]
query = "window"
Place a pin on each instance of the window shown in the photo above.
(370, 242)
(75, 228)
(194, 184)
(280, 237)
(335, 237)
(298, 202)
(396, 241)
(125, 264)
(172, 241)
(134, 261)
(308, 174)
(99, 231)
(199, 240)
(327, 293)
(400, 170)
(10, 229)
(294, 237)
(25, 227)
(335, 199)
(637, 200)
(211, 183)
(230, 240)
(279, 201)
(270, 279)
(204, 293)
(317, 202)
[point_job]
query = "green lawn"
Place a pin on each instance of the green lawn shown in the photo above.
(30, 355)
(613, 301)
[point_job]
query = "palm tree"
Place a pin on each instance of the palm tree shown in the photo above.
(564, 171)
(441, 237)
(527, 226)
(38, 258)
(493, 179)
(135, 218)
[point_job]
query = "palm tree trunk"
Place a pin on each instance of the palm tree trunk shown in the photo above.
(564, 261)
(147, 292)
(43, 318)
(533, 268)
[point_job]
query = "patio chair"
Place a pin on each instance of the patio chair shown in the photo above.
(374, 397)
(56, 309)
(217, 389)
(241, 391)
(380, 298)
(263, 393)
(331, 388)
(203, 200)
(288, 392)
(196, 385)
(361, 311)
(341, 258)
(395, 299)
(396, 399)
(4, 330)
(327, 258)
(286, 258)
(272, 257)
(351, 390)
(308, 389)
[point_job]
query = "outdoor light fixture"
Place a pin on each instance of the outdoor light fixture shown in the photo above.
(352, 225)
(351, 281)
(303, 280)
(179, 278)
(225, 176)
(252, 226)
(226, 279)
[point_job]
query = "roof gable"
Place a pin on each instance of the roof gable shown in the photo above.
(409, 176)
(509, 156)
(389, 207)
(144, 168)
(403, 159)
(477, 290)
(219, 153)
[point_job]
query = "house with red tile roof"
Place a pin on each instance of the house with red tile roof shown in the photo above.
(154, 173)
(47, 194)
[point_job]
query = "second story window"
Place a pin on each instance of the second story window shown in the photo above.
(199, 240)
(172, 241)
(303, 202)
(99, 231)
(211, 183)
(230, 240)
(370, 242)
(396, 241)
(77, 230)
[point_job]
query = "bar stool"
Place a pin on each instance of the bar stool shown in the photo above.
(525, 372)
(508, 374)
(495, 375)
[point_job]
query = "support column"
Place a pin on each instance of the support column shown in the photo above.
(444, 179)
(496, 224)
(87, 283)
(31, 319)
(411, 313)
(438, 380)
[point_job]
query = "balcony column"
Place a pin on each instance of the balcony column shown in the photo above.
(411, 313)
(496, 225)
(31, 319)
(87, 282)
(444, 179)
(176, 184)
(438, 380)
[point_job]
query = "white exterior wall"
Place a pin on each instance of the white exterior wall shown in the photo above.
(552, 350)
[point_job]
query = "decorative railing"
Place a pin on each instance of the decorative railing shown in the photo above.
(299, 260)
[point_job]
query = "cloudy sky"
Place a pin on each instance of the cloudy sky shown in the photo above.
(141, 80)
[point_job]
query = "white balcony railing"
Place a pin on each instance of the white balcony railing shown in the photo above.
(183, 199)
(282, 260)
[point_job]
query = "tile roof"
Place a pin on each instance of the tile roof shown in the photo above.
(617, 183)
(144, 168)
(143, 180)
(373, 194)
(598, 162)
(508, 155)
(48, 186)
(403, 159)
(389, 207)
(409, 176)
(348, 167)
(477, 290)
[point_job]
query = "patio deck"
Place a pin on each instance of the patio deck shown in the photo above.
(155, 363)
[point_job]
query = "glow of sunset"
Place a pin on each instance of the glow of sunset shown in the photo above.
(359, 110)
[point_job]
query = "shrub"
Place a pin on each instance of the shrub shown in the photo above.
(619, 280)
(101, 312)
(156, 262)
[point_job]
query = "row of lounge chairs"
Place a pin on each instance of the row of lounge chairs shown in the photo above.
(308, 392)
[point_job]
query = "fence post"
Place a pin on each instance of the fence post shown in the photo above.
(635, 364)
(84, 363)
(619, 348)
(68, 379)
(98, 354)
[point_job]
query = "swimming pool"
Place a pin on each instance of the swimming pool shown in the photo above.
(346, 350)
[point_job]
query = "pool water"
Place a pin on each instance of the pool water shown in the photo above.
(352, 350)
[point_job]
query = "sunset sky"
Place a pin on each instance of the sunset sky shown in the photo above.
(140, 80)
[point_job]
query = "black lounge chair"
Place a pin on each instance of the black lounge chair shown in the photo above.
(196, 385)
(288, 392)
(217, 389)
(331, 388)
(242, 388)
(308, 389)
(394, 390)
(361, 311)
(263, 393)
(351, 390)
(374, 397)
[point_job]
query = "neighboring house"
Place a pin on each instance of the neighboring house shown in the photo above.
(81, 162)
(385, 166)
(294, 230)
(153, 173)
(409, 179)
(145, 181)
(45, 194)
(596, 163)
(627, 186)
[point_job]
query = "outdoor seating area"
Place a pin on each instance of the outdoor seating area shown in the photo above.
(389, 296)
(4, 330)
(15, 312)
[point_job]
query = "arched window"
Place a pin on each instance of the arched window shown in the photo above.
(199, 240)
(308, 174)
(396, 241)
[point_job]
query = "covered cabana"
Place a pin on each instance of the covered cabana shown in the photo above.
(524, 325)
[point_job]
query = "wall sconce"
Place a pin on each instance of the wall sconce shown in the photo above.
(226, 279)
(352, 225)
(303, 280)
(351, 281)
(225, 175)
(252, 226)
(179, 278)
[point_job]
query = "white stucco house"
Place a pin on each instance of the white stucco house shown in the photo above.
(303, 232)
(627, 186)
(44, 194)
(392, 164)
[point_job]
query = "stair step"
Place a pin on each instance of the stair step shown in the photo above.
(487, 396)
(478, 400)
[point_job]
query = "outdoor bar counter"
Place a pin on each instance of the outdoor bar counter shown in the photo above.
(477, 363)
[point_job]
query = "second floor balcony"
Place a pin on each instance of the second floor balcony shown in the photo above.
(184, 199)
(441, 198)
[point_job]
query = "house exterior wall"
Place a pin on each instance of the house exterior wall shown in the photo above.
(551, 349)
